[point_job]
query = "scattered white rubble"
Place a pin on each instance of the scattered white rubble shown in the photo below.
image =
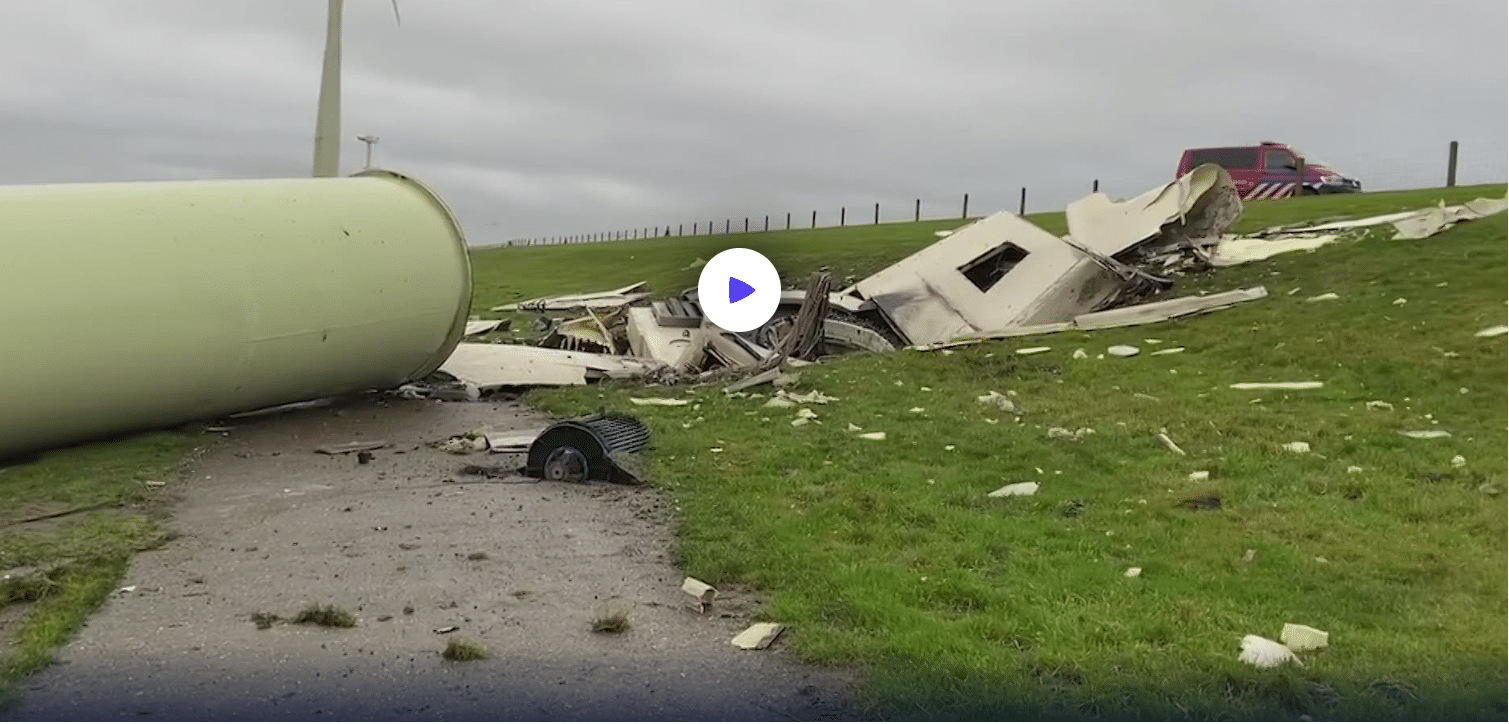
(1122, 350)
(1277, 385)
(916, 410)
(659, 401)
(1080, 354)
(806, 413)
(1328, 296)
(701, 593)
(854, 428)
(1400, 301)
(1425, 434)
(1133, 572)
(1492, 331)
(800, 421)
(1032, 350)
(1170, 350)
(1169, 443)
(1002, 401)
(1378, 405)
(758, 636)
(1266, 653)
(1199, 476)
(872, 435)
(1354, 469)
(1296, 447)
(1060, 433)
(1458, 461)
(1013, 490)
(1300, 638)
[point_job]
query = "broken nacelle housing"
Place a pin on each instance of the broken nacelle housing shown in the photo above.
(595, 447)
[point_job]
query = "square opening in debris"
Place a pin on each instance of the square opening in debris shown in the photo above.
(988, 268)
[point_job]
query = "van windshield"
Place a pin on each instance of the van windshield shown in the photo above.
(1231, 158)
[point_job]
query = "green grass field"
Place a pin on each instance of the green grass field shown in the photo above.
(888, 554)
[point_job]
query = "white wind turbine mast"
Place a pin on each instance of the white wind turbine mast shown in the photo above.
(327, 125)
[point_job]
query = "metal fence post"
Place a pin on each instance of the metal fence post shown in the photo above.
(767, 222)
(965, 213)
(788, 220)
(1451, 165)
(843, 211)
(746, 224)
(1022, 207)
(814, 218)
(917, 210)
(727, 224)
(1095, 186)
(877, 212)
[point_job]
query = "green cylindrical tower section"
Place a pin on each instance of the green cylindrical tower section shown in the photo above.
(130, 306)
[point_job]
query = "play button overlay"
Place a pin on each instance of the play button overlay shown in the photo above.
(739, 289)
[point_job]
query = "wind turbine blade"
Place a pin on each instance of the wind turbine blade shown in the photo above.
(327, 125)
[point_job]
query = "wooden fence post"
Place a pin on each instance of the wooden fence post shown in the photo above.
(877, 212)
(842, 212)
(1022, 208)
(1095, 186)
(814, 218)
(917, 210)
(788, 220)
(965, 213)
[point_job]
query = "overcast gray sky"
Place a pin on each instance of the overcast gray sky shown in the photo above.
(542, 117)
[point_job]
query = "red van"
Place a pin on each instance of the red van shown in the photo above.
(1267, 171)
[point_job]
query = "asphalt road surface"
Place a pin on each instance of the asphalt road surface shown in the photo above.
(412, 546)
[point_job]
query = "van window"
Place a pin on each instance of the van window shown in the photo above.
(1237, 158)
(988, 268)
(1278, 160)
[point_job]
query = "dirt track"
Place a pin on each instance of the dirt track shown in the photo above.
(268, 525)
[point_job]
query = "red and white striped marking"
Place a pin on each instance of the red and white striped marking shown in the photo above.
(1273, 190)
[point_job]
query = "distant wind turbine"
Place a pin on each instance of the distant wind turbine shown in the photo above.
(327, 125)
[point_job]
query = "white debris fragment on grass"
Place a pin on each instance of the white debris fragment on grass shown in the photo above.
(1122, 350)
(1425, 434)
(1032, 350)
(1296, 447)
(1299, 637)
(1493, 331)
(1004, 402)
(872, 435)
(1170, 350)
(1400, 301)
(758, 636)
(1378, 405)
(1266, 653)
(854, 428)
(1133, 572)
(1328, 296)
(806, 413)
(1199, 476)
(1169, 443)
(1153, 341)
(1080, 354)
(1354, 469)
(1459, 462)
(800, 421)
(779, 402)
(1061, 433)
(1013, 490)
(1278, 385)
(715, 449)
(659, 401)
(1142, 396)
(916, 410)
